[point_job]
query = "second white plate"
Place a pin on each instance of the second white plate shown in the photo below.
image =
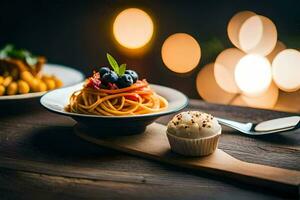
(67, 75)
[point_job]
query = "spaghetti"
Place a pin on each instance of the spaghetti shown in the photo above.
(136, 99)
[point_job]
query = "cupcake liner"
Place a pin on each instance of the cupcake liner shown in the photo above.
(194, 147)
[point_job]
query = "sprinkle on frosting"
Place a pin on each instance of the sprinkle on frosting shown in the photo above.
(193, 124)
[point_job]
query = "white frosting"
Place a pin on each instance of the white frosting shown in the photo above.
(193, 125)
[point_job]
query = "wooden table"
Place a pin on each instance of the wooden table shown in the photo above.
(41, 158)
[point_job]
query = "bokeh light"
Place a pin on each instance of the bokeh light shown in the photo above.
(181, 53)
(258, 35)
(235, 24)
(288, 101)
(279, 47)
(286, 70)
(208, 88)
(133, 28)
(267, 100)
(224, 69)
(253, 75)
(243, 75)
(238, 101)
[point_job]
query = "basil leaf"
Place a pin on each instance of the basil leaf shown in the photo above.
(31, 61)
(122, 69)
(7, 48)
(19, 54)
(113, 63)
(4, 52)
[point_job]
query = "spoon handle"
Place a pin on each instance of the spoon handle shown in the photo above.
(234, 124)
(265, 127)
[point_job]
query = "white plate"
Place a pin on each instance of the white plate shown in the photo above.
(67, 75)
(58, 99)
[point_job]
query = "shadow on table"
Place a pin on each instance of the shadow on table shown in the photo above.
(61, 143)
(19, 107)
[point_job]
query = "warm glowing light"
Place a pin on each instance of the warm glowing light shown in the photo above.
(286, 70)
(235, 24)
(279, 47)
(133, 28)
(181, 53)
(208, 88)
(238, 101)
(258, 35)
(267, 100)
(288, 101)
(224, 69)
(253, 75)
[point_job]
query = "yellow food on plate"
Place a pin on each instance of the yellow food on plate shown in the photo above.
(7, 80)
(12, 88)
(27, 76)
(20, 73)
(2, 90)
(23, 87)
(50, 83)
(41, 86)
(116, 92)
(58, 82)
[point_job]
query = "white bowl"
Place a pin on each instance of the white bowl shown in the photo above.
(58, 99)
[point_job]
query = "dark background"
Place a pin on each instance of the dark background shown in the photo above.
(79, 33)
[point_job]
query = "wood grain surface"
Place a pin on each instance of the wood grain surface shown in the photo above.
(153, 144)
(41, 158)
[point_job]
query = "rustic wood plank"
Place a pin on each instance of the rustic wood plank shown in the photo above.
(153, 144)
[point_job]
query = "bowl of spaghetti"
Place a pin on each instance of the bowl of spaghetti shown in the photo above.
(59, 100)
(114, 102)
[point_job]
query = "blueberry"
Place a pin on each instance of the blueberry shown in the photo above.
(109, 77)
(104, 70)
(133, 74)
(125, 81)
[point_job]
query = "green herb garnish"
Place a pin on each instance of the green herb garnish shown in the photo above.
(120, 70)
(5, 50)
(10, 52)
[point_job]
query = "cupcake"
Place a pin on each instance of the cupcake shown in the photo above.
(193, 133)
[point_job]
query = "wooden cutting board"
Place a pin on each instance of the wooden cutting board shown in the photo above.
(153, 144)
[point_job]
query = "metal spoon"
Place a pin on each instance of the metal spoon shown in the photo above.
(265, 127)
